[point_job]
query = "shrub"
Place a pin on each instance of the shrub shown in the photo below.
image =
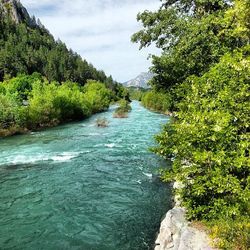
(42, 109)
(32, 102)
(97, 95)
(12, 115)
(209, 142)
(21, 85)
(102, 122)
(157, 101)
(71, 102)
(123, 109)
(231, 233)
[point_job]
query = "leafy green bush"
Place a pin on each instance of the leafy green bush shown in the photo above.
(51, 104)
(22, 85)
(231, 233)
(98, 95)
(211, 137)
(209, 141)
(32, 102)
(12, 115)
(123, 109)
(157, 101)
(43, 109)
(72, 103)
(136, 93)
(124, 105)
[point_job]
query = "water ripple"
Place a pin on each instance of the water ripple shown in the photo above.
(78, 186)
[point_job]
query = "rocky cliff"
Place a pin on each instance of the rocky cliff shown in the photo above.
(16, 11)
(141, 81)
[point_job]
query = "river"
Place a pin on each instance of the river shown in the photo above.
(78, 186)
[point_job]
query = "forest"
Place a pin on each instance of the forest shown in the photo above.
(202, 76)
(27, 47)
(42, 82)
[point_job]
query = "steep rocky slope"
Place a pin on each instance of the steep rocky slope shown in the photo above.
(141, 81)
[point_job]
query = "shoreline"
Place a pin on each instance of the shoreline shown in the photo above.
(17, 130)
(176, 233)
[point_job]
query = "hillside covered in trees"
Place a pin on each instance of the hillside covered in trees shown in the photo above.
(43, 82)
(203, 76)
(26, 46)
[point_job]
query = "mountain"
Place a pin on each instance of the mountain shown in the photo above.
(141, 81)
(26, 46)
(15, 9)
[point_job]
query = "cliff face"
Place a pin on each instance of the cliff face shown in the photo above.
(16, 11)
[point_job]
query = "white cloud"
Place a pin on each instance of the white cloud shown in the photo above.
(99, 30)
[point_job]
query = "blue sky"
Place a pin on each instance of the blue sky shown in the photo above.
(99, 30)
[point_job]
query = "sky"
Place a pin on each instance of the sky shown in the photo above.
(99, 30)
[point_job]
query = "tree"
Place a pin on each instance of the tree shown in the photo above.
(98, 96)
(188, 34)
(27, 47)
(204, 68)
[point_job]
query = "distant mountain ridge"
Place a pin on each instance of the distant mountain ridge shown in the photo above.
(141, 81)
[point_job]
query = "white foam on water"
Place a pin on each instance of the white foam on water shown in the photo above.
(139, 182)
(94, 134)
(24, 159)
(110, 145)
(30, 159)
(66, 156)
(148, 175)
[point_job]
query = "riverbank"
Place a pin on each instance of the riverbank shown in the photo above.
(43, 104)
(176, 233)
(15, 130)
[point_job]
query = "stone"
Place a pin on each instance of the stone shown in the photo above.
(176, 234)
(17, 12)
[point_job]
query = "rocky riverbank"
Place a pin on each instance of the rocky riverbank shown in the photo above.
(176, 233)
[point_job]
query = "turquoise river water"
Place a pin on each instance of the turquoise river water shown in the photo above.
(78, 186)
